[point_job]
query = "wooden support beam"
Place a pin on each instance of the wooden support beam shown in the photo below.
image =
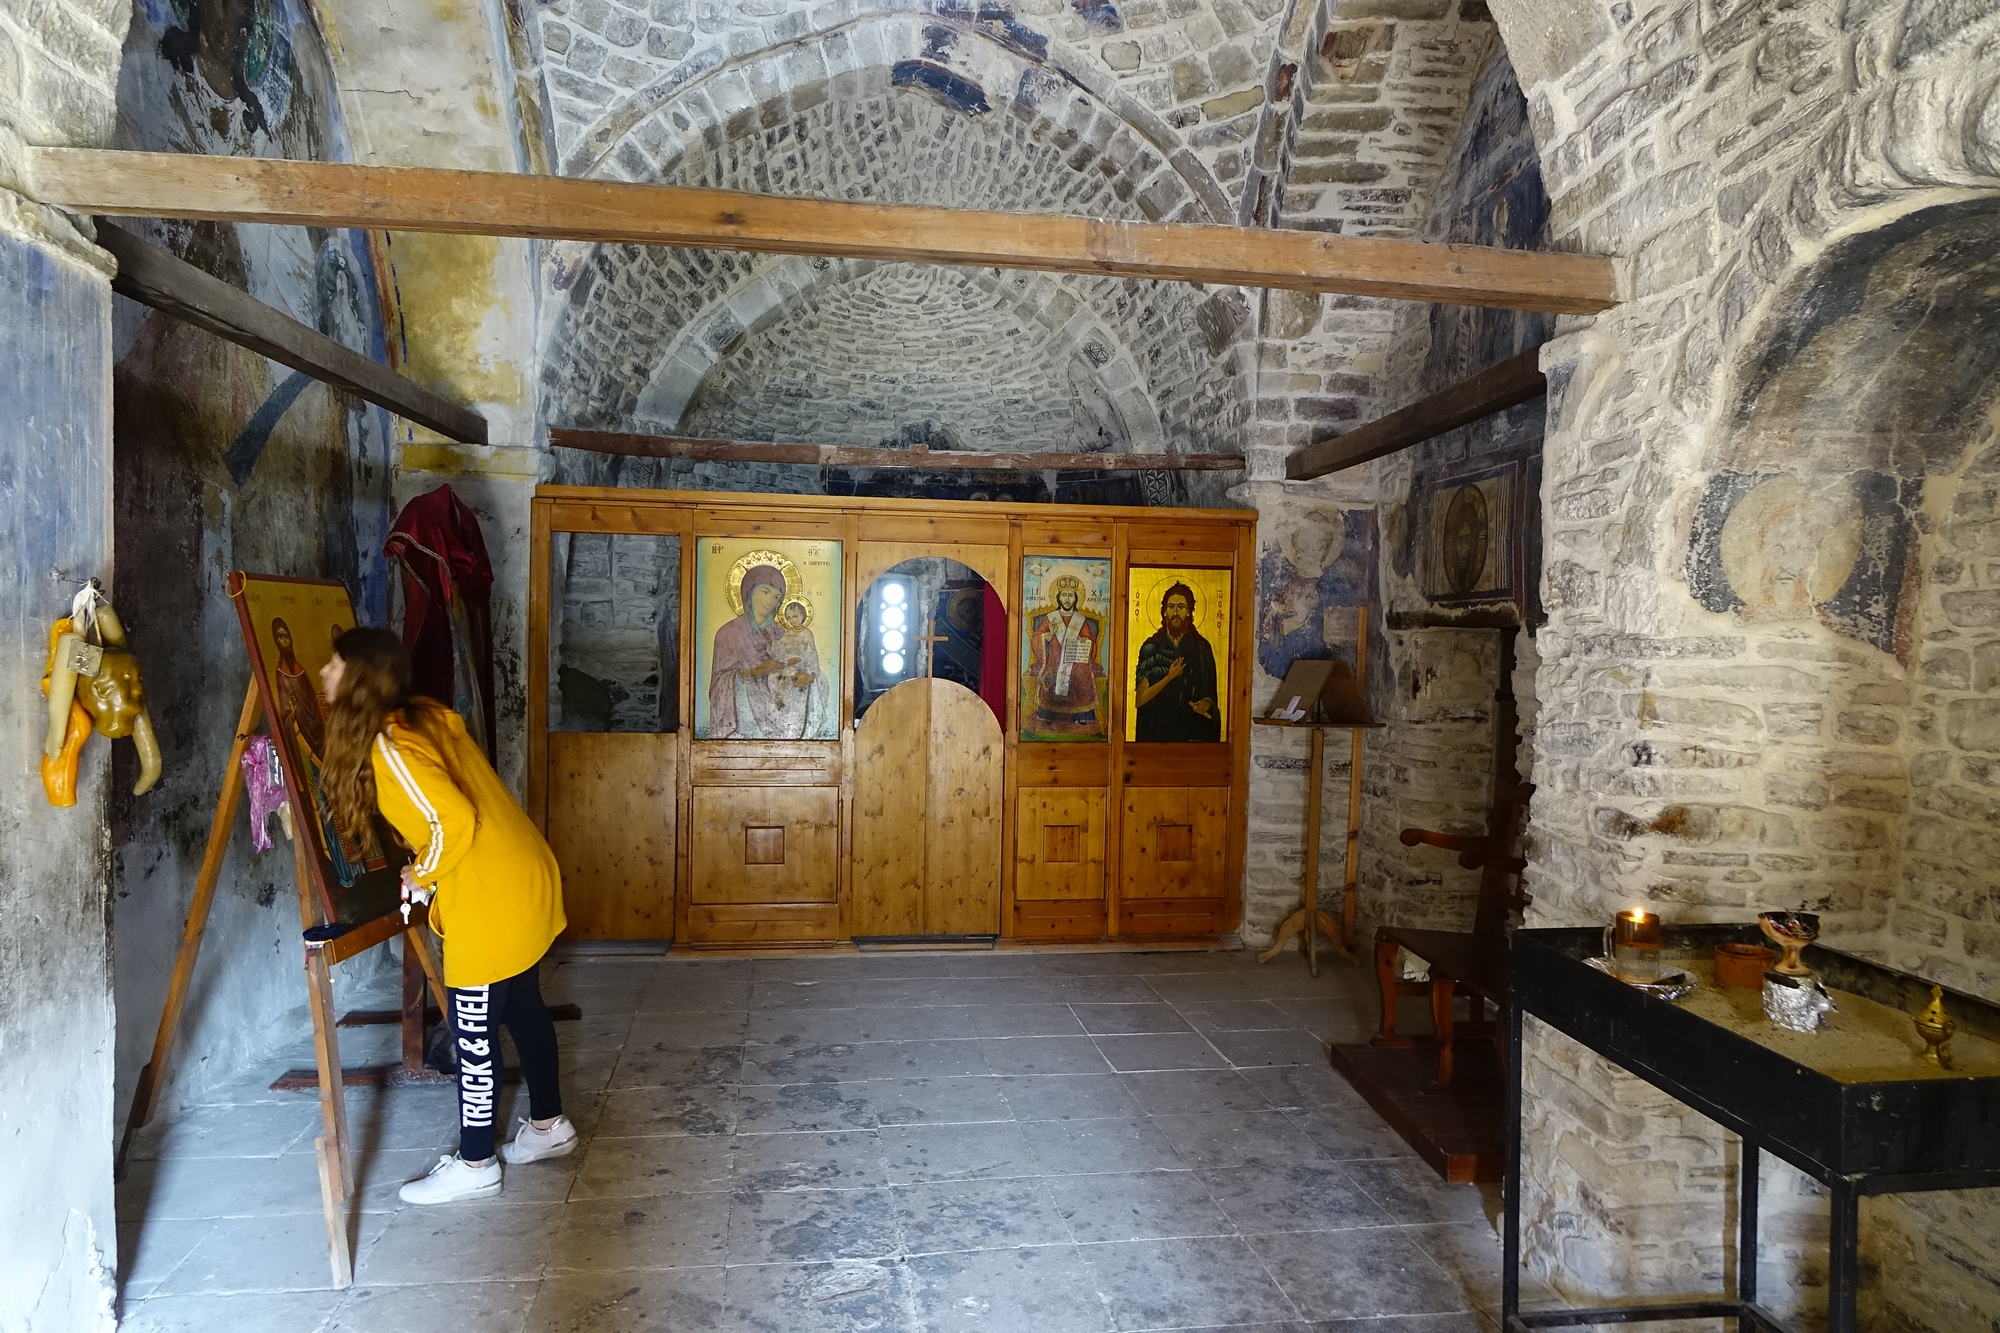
(1494, 389)
(339, 194)
(837, 455)
(152, 276)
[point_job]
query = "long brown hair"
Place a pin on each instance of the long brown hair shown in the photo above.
(374, 688)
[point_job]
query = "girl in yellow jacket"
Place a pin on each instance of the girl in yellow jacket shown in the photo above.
(497, 903)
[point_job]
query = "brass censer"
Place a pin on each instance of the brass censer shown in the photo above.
(1934, 1025)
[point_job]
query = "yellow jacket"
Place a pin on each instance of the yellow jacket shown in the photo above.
(499, 894)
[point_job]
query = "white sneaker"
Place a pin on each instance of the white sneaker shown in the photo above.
(453, 1179)
(533, 1145)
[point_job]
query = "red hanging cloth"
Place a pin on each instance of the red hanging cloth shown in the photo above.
(447, 606)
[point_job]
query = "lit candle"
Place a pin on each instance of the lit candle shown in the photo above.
(1638, 929)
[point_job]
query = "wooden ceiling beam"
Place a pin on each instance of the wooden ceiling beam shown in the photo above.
(338, 194)
(153, 277)
(1494, 389)
(836, 455)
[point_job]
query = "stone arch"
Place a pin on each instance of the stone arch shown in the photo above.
(779, 289)
(1169, 356)
(1013, 67)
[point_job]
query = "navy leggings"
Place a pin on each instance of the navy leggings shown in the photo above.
(477, 1014)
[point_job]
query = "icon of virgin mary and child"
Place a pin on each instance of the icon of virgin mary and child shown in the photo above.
(765, 681)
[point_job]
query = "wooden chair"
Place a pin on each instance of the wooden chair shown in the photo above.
(1474, 963)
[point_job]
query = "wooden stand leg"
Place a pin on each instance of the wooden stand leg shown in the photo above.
(154, 1076)
(419, 940)
(336, 1162)
(1309, 921)
(1442, 990)
(333, 1205)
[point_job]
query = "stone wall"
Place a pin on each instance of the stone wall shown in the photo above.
(226, 461)
(614, 647)
(58, 1237)
(1741, 547)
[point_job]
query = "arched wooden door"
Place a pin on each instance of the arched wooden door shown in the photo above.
(927, 801)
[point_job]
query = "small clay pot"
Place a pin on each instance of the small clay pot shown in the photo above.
(1742, 965)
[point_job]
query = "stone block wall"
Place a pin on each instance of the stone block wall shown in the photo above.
(619, 627)
(1781, 177)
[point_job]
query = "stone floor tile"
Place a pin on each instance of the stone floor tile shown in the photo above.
(893, 1022)
(1235, 1016)
(676, 1300)
(661, 1231)
(1138, 1205)
(441, 1307)
(842, 1297)
(633, 1168)
(989, 992)
(808, 1226)
(1280, 1046)
(1469, 1252)
(1410, 1191)
(1299, 1086)
(798, 1028)
(149, 1252)
(907, 991)
(592, 1032)
(478, 1240)
(1169, 1050)
(1350, 1132)
(1217, 1280)
(639, 1112)
(796, 1107)
(664, 1031)
(1470, 1322)
(658, 1065)
(266, 1254)
(1101, 990)
(956, 1152)
(1043, 1289)
(1043, 1055)
(839, 1062)
(260, 1129)
(1341, 1020)
(1365, 1274)
(924, 1059)
(1115, 1020)
(1275, 983)
(1081, 1147)
(831, 967)
(1194, 1091)
(396, 1119)
(850, 1159)
(1094, 963)
(1025, 1020)
(291, 1311)
(1223, 1139)
(1067, 1096)
(1201, 988)
(1014, 963)
(686, 995)
(977, 1215)
(938, 1101)
(585, 1071)
(179, 1188)
(1292, 1196)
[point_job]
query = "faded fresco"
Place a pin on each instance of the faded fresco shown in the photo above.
(1177, 626)
(225, 460)
(1313, 570)
(767, 639)
(1065, 648)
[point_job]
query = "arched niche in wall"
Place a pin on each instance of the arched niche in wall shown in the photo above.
(1849, 523)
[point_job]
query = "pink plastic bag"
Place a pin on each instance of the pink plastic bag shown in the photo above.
(264, 782)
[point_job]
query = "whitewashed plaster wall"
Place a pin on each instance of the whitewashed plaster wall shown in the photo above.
(58, 1237)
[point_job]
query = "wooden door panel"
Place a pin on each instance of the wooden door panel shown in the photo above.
(965, 780)
(764, 844)
(927, 803)
(891, 788)
(1059, 843)
(611, 802)
(1174, 842)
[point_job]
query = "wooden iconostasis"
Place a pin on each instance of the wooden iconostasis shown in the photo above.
(783, 720)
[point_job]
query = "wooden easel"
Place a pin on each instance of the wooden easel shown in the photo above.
(1310, 921)
(325, 947)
